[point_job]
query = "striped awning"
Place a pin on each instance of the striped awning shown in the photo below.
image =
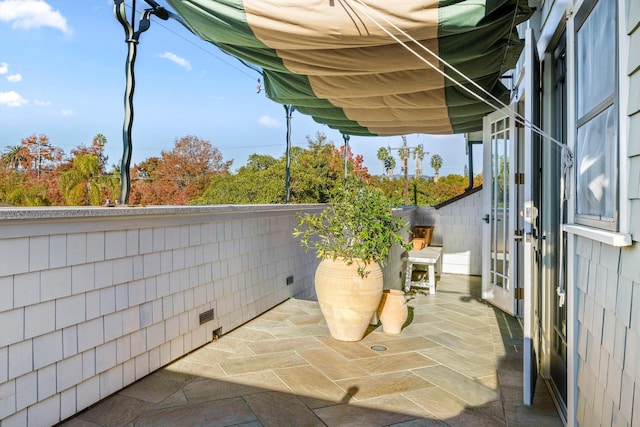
(343, 62)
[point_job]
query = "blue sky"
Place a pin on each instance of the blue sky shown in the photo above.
(62, 74)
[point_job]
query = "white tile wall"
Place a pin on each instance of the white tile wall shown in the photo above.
(20, 358)
(122, 270)
(76, 249)
(19, 419)
(103, 274)
(46, 382)
(133, 240)
(68, 403)
(26, 289)
(12, 253)
(70, 311)
(82, 278)
(93, 312)
(7, 398)
(115, 244)
(55, 283)
(57, 251)
(105, 356)
(88, 363)
(6, 293)
(123, 348)
(88, 392)
(69, 341)
(111, 381)
(70, 372)
(92, 304)
(107, 300)
(38, 253)
(39, 319)
(26, 390)
(47, 349)
(138, 342)
(4, 364)
(95, 246)
(158, 239)
(90, 334)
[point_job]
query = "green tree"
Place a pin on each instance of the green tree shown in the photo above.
(316, 173)
(260, 181)
(84, 183)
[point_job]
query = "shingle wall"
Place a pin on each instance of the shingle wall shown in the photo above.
(458, 229)
(91, 304)
(608, 289)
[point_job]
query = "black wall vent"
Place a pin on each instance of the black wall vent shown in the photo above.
(206, 316)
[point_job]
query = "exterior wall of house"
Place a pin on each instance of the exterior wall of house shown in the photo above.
(92, 300)
(607, 281)
(608, 311)
(608, 285)
(458, 229)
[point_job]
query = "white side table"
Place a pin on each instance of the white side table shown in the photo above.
(429, 257)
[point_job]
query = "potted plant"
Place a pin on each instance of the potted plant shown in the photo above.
(352, 236)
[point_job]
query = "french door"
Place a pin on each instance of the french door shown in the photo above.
(500, 205)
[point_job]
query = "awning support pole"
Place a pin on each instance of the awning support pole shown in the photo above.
(289, 109)
(346, 157)
(132, 38)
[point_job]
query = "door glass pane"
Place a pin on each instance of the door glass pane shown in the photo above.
(500, 149)
(506, 174)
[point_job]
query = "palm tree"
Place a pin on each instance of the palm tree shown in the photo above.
(418, 155)
(436, 164)
(13, 156)
(82, 185)
(388, 162)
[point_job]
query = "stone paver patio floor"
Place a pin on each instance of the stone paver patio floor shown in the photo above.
(457, 362)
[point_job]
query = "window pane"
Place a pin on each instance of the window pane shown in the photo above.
(596, 57)
(596, 154)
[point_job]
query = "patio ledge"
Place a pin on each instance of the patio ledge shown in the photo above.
(60, 212)
(603, 236)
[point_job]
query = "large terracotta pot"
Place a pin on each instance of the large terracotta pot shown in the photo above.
(347, 300)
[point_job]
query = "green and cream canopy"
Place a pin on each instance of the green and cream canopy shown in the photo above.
(331, 59)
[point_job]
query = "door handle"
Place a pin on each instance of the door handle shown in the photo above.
(486, 218)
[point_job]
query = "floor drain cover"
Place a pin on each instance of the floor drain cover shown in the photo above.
(378, 348)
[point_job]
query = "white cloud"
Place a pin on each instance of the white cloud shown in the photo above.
(177, 60)
(41, 103)
(269, 122)
(30, 14)
(14, 78)
(66, 112)
(4, 68)
(12, 99)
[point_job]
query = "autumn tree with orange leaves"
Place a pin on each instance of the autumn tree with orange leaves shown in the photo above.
(179, 175)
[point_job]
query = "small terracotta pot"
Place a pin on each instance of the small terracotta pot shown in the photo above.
(393, 311)
(418, 243)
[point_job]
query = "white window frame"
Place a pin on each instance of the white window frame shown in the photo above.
(621, 237)
(612, 224)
